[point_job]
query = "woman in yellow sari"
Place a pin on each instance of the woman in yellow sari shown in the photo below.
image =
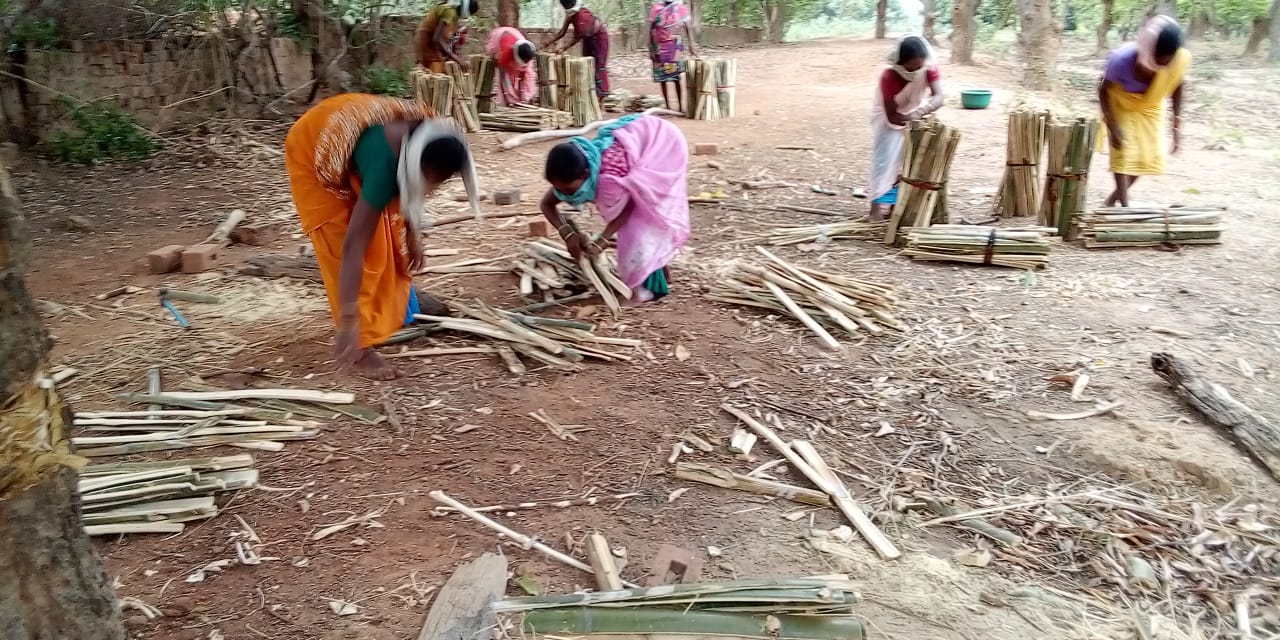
(360, 168)
(1139, 77)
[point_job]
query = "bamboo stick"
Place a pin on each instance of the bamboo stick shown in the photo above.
(603, 566)
(730, 480)
(463, 105)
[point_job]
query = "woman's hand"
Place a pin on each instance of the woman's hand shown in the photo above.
(573, 242)
(346, 344)
(415, 252)
(1177, 140)
(1117, 138)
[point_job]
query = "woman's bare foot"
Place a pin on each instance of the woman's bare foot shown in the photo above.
(374, 367)
(639, 296)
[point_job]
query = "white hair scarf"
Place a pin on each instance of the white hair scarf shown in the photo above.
(896, 64)
(413, 184)
(463, 7)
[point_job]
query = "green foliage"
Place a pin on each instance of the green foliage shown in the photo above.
(34, 32)
(105, 132)
(384, 80)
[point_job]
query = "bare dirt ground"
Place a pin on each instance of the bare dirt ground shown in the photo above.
(955, 389)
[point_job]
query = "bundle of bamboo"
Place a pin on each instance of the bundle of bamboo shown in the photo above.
(1067, 179)
(549, 267)
(1019, 193)
(579, 92)
(525, 118)
(433, 90)
(158, 497)
(800, 609)
(561, 65)
(548, 94)
(926, 164)
(1026, 248)
(168, 430)
(860, 229)
(559, 344)
(821, 300)
(1138, 227)
(726, 94)
(463, 100)
(701, 102)
(483, 70)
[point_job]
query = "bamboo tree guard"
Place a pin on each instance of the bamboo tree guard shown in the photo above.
(726, 94)
(433, 90)
(483, 69)
(1019, 193)
(929, 148)
(464, 101)
(701, 100)
(580, 93)
(561, 65)
(548, 94)
(1066, 182)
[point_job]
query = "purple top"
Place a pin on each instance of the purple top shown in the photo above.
(1120, 67)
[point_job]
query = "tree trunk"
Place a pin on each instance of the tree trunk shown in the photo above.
(882, 11)
(930, 28)
(1104, 25)
(735, 13)
(1167, 8)
(1038, 37)
(1257, 35)
(774, 20)
(695, 19)
(509, 13)
(1198, 26)
(55, 585)
(1273, 56)
(963, 27)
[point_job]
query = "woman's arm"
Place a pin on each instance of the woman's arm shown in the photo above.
(550, 206)
(891, 111)
(936, 99)
(564, 28)
(688, 36)
(1108, 116)
(611, 229)
(364, 221)
(442, 44)
(1176, 99)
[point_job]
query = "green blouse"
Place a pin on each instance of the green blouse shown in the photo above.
(376, 162)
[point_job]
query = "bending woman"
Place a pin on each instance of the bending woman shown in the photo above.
(636, 171)
(668, 32)
(360, 167)
(910, 88)
(517, 79)
(1138, 79)
(438, 38)
(593, 34)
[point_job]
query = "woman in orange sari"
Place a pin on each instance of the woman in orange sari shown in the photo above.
(360, 168)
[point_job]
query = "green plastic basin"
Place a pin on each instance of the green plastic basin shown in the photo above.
(975, 98)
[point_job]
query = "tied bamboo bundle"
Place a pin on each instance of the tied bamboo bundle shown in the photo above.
(1138, 227)
(726, 93)
(432, 90)
(797, 609)
(702, 102)
(1066, 183)
(523, 118)
(1019, 193)
(463, 102)
(861, 229)
(562, 76)
(483, 70)
(817, 299)
(158, 497)
(1025, 248)
(929, 148)
(580, 92)
(549, 268)
(548, 93)
(559, 344)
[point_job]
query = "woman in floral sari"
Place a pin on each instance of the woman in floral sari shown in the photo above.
(668, 32)
(360, 167)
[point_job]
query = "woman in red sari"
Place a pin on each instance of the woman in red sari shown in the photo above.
(594, 35)
(517, 79)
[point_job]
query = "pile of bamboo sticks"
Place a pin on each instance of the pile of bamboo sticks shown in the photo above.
(463, 98)
(578, 89)
(861, 229)
(1019, 193)
(433, 91)
(548, 83)
(1025, 248)
(926, 165)
(483, 70)
(547, 266)
(1066, 183)
(819, 300)
(158, 497)
(559, 344)
(523, 118)
(710, 93)
(1138, 227)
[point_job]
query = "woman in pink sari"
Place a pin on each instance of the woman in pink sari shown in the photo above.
(517, 79)
(636, 171)
(902, 95)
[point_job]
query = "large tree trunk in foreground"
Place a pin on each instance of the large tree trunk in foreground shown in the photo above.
(963, 27)
(1274, 54)
(1244, 425)
(55, 587)
(1038, 37)
(1257, 35)
(509, 13)
(882, 15)
(930, 28)
(1104, 25)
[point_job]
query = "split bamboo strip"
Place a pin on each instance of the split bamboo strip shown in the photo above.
(1136, 227)
(926, 163)
(463, 100)
(551, 270)
(129, 495)
(433, 90)
(548, 94)
(483, 70)
(859, 229)
(1066, 182)
(1019, 193)
(1017, 248)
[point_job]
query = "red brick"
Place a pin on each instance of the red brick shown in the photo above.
(674, 565)
(165, 260)
(200, 257)
(539, 229)
(706, 149)
(509, 196)
(257, 235)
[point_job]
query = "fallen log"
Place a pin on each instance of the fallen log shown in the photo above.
(1247, 427)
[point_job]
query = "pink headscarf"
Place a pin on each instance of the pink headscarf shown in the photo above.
(1147, 40)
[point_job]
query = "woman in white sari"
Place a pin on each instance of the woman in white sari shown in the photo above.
(910, 88)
